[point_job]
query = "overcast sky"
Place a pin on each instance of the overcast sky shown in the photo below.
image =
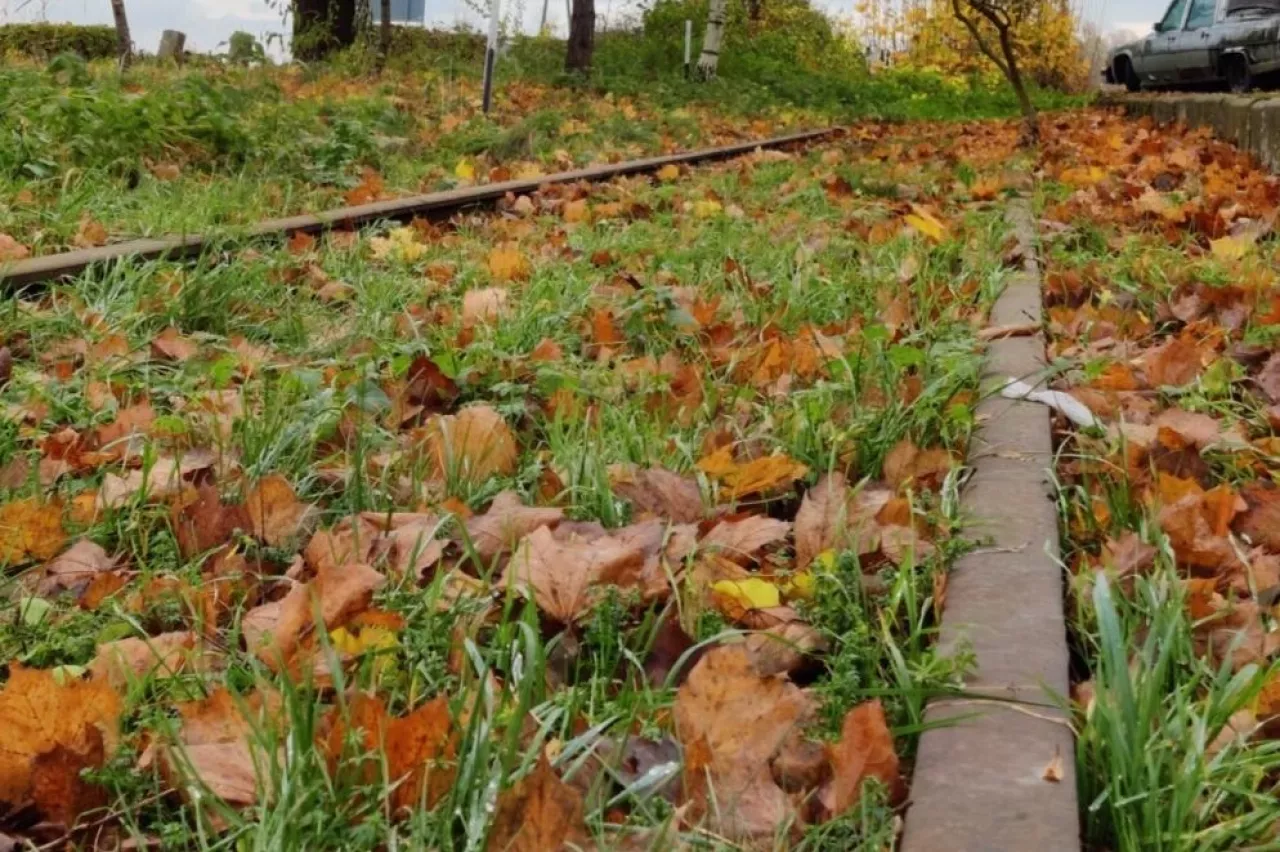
(208, 23)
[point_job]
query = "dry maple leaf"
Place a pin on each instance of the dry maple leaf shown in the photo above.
(123, 661)
(484, 306)
(539, 813)
(1260, 522)
(75, 568)
(58, 789)
(219, 747)
(30, 529)
(505, 523)
(659, 492)
(418, 748)
(1173, 364)
(274, 631)
(275, 512)
(732, 722)
(758, 476)
(11, 249)
(170, 345)
(742, 540)
(1194, 542)
(38, 714)
(202, 522)
(508, 263)
(783, 648)
(865, 750)
(90, 234)
(905, 463)
(562, 576)
(472, 445)
(823, 521)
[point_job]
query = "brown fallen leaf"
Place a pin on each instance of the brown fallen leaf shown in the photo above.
(563, 577)
(758, 476)
(418, 748)
(658, 492)
(539, 813)
(90, 234)
(732, 721)
(11, 249)
(508, 263)
(274, 631)
(59, 789)
(831, 517)
(74, 569)
(30, 529)
(472, 445)
(742, 540)
(1054, 770)
(171, 345)
(485, 306)
(219, 747)
(276, 513)
(505, 523)
(1013, 329)
(123, 661)
(38, 714)
(865, 750)
(905, 463)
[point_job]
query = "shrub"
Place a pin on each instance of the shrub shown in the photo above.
(243, 49)
(43, 41)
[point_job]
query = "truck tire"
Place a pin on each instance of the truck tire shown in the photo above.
(1125, 74)
(1238, 76)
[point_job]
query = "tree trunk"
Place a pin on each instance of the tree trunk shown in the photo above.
(384, 33)
(1031, 121)
(322, 26)
(582, 37)
(754, 8)
(124, 43)
(712, 41)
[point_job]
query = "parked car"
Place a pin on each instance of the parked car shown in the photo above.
(1201, 42)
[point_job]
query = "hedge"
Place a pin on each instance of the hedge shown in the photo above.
(42, 41)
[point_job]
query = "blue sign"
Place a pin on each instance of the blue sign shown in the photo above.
(402, 11)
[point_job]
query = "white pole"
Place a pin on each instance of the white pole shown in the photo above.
(688, 46)
(491, 53)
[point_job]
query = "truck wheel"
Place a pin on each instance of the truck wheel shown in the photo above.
(1125, 74)
(1239, 78)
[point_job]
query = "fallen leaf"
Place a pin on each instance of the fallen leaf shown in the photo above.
(732, 721)
(563, 577)
(742, 540)
(1054, 770)
(75, 568)
(276, 513)
(484, 306)
(38, 714)
(507, 263)
(472, 445)
(539, 813)
(90, 234)
(30, 529)
(658, 492)
(505, 523)
(11, 249)
(865, 750)
(757, 476)
(925, 223)
(219, 748)
(123, 661)
(170, 345)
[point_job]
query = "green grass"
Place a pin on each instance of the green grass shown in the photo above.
(321, 400)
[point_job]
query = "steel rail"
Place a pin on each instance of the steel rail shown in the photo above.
(54, 267)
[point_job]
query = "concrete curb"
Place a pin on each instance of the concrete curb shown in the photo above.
(979, 781)
(1252, 122)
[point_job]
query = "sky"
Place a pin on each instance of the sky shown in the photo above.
(209, 23)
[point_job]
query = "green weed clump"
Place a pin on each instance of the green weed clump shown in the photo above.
(43, 41)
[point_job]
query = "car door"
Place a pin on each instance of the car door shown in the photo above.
(1157, 58)
(1192, 58)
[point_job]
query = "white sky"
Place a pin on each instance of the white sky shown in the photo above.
(209, 23)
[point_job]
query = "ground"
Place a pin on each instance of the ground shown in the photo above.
(619, 514)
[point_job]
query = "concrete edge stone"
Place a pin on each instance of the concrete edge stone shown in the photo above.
(980, 775)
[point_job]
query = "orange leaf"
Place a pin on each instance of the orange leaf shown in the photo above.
(865, 750)
(30, 529)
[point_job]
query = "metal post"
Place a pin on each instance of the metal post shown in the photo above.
(491, 53)
(688, 47)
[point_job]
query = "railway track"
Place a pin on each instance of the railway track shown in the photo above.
(54, 267)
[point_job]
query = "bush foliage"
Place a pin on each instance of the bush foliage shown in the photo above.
(44, 41)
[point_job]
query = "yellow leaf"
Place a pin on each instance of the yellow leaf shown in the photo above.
(801, 585)
(400, 244)
(576, 210)
(506, 263)
(465, 170)
(925, 223)
(707, 208)
(751, 592)
(669, 173)
(1230, 248)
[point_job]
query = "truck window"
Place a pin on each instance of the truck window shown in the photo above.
(1173, 18)
(1201, 15)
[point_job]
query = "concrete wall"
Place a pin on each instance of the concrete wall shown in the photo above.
(1252, 122)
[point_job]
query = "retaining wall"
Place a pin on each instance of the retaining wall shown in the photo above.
(1252, 122)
